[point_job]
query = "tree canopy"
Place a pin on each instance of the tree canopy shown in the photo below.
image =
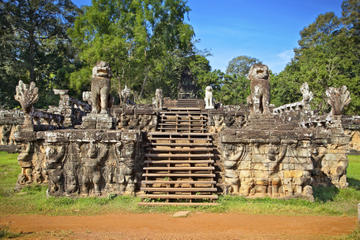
(147, 43)
(34, 45)
(328, 56)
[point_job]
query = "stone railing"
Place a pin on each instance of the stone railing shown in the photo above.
(291, 107)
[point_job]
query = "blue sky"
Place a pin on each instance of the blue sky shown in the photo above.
(265, 29)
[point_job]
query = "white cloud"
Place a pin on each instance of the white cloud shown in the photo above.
(286, 55)
(278, 62)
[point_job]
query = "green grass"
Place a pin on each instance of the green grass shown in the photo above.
(33, 200)
(6, 233)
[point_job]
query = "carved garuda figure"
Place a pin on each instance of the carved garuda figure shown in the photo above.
(92, 160)
(338, 98)
(100, 87)
(260, 89)
(27, 95)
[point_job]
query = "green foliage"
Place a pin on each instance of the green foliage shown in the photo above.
(235, 86)
(328, 56)
(240, 66)
(147, 44)
(34, 46)
(6, 233)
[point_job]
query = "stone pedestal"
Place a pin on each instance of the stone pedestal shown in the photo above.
(98, 121)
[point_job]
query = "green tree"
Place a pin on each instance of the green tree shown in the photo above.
(236, 86)
(34, 44)
(240, 65)
(328, 56)
(145, 42)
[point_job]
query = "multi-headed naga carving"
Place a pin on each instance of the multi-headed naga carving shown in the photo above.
(338, 98)
(27, 95)
(259, 98)
(100, 88)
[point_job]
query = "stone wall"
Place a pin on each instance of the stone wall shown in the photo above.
(282, 163)
(76, 162)
(9, 122)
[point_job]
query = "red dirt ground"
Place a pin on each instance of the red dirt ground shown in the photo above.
(163, 226)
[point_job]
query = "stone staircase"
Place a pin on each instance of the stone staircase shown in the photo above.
(179, 160)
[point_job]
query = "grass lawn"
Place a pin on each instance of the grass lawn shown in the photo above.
(33, 200)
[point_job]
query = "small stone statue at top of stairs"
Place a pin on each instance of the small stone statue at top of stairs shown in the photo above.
(158, 99)
(209, 101)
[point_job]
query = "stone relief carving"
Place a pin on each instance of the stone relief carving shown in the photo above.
(126, 163)
(92, 158)
(231, 163)
(54, 155)
(259, 98)
(5, 138)
(25, 161)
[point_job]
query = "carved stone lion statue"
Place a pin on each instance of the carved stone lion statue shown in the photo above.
(100, 87)
(260, 89)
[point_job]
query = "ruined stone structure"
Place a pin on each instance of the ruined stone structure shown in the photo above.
(181, 151)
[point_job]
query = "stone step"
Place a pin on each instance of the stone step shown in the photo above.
(175, 155)
(196, 149)
(182, 130)
(189, 140)
(177, 128)
(178, 161)
(182, 125)
(172, 134)
(180, 189)
(178, 168)
(182, 113)
(183, 109)
(177, 182)
(182, 120)
(150, 204)
(164, 175)
(180, 144)
(178, 196)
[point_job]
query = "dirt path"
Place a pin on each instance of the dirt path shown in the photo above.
(164, 226)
